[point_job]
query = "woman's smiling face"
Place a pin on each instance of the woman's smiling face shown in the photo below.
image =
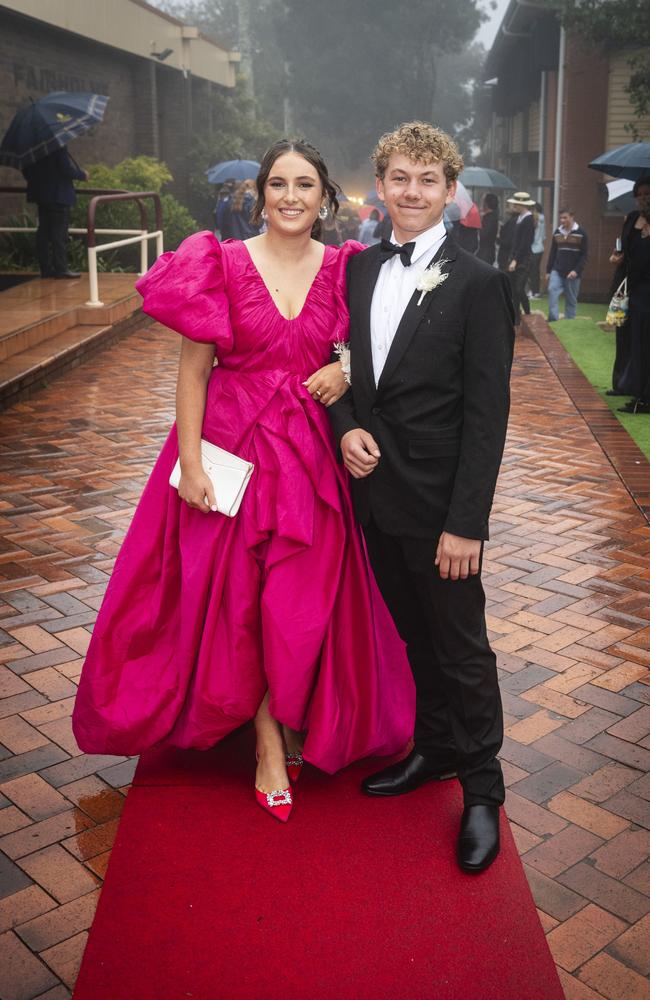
(293, 195)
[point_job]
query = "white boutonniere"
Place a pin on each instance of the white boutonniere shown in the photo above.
(431, 278)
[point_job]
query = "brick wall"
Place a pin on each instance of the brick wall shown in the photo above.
(152, 109)
(584, 138)
(36, 59)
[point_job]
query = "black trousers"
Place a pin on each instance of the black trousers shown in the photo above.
(459, 719)
(52, 239)
(518, 279)
(534, 278)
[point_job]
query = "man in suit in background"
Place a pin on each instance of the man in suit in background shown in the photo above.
(422, 431)
(521, 255)
(49, 185)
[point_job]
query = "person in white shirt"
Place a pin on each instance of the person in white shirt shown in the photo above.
(421, 432)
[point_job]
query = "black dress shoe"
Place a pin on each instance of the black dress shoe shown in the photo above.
(409, 774)
(614, 392)
(478, 840)
(68, 274)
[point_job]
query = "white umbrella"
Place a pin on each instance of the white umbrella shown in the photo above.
(619, 195)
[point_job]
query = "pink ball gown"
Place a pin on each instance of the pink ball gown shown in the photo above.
(203, 612)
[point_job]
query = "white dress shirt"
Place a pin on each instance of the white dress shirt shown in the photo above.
(394, 290)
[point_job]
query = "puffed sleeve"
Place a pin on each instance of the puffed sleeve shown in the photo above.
(186, 291)
(344, 254)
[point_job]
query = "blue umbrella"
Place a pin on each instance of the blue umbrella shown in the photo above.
(485, 177)
(48, 124)
(631, 160)
(233, 170)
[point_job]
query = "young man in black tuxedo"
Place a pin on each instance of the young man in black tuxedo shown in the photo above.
(421, 432)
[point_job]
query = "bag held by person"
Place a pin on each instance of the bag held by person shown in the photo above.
(228, 474)
(619, 306)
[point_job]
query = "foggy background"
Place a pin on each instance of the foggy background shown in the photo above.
(342, 72)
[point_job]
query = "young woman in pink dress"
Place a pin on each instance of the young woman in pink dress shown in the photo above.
(271, 615)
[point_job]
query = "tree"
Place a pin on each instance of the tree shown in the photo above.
(343, 72)
(613, 25)
(359, 69)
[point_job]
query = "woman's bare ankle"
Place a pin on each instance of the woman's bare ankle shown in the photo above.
(293, 740)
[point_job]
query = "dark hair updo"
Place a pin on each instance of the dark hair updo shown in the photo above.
(643, 181)
(309, 153)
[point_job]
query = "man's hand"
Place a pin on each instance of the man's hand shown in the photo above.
(512, 266)
(360, 453)
(572, 275)
(457, 557)
(547, 278)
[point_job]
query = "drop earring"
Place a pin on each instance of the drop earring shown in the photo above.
(322, 215)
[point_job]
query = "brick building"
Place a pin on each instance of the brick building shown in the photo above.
(159, 73)
(544, 144)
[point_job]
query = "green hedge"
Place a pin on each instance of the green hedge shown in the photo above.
(141, 173)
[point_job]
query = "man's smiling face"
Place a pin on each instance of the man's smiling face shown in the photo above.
(415, 195)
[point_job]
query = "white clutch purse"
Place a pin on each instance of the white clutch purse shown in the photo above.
(229, 475)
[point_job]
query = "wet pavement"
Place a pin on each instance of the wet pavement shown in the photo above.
(567, 574)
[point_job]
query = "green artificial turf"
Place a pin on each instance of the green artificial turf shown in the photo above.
(593, 349)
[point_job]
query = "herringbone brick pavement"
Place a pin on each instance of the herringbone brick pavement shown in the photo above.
(568, 579)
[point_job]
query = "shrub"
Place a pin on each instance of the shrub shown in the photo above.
(141, 173)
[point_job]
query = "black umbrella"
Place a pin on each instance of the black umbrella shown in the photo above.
(631, 160)
(47, 124)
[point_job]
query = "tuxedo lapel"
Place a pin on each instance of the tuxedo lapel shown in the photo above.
(367, 281)
(412, 316)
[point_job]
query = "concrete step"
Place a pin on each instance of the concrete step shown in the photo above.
(25, 337)
(25, 371)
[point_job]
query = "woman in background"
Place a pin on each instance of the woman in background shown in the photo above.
(539, 239)
(631, 374)
(367, 229)
(243, 203)
(489, 228)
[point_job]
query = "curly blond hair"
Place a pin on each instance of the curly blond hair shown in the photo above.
(422, 143)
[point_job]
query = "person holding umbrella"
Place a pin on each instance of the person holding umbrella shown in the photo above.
(50, 187)
(35, 143)
(632, 364)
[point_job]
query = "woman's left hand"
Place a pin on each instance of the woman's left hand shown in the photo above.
(327, 384)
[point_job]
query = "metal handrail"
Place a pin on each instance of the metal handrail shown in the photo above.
(123, 196)
(142, 239)
(22, 189)
(141, 236)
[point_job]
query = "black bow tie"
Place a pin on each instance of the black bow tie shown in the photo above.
(405, 251)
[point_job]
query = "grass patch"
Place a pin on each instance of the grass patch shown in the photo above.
(593, 351)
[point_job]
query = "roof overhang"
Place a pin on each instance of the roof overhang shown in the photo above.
(135, 27)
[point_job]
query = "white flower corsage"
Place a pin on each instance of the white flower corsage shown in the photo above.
(431, 278)
(342, 351)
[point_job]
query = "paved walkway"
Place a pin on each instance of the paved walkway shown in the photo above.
(568, 578)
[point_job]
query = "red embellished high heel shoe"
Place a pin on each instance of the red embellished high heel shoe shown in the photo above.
(294, 762)
(279, 803)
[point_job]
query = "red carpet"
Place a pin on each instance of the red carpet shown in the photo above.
(354, 899)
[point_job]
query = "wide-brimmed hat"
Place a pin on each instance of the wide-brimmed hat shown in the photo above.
(521, 198)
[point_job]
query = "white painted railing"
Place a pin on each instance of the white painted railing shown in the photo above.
(141, 236)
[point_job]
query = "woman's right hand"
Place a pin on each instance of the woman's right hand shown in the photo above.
(616, 257)
(196, 489)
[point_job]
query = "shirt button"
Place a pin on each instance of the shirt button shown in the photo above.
(375, 410)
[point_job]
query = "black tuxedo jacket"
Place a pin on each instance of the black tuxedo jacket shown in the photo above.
(522, 246)
(440, 411)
